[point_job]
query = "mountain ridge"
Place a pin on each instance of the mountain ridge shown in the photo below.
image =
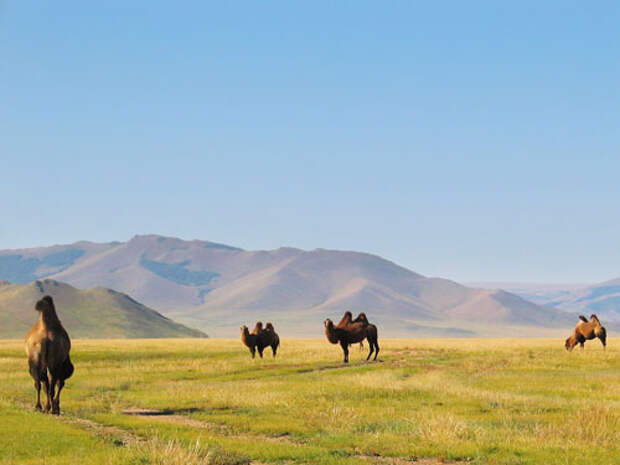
(216, 286)
(601, 298)
(96, 312)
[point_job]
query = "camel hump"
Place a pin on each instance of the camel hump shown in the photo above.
(346, 319)
(593, 317)
(583, 318)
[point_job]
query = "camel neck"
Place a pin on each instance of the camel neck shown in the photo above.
(49, 318)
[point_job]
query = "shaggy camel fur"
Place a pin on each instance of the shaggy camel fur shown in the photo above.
(347, 319)
(586, 330)
(350, 331)
(48, 346)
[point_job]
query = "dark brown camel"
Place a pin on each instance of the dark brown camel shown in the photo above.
(348, 318)
(586, 330)
(260, 338)
(267, 337)
(48, 346)
(350, 331)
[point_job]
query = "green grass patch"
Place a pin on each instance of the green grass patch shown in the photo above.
(470, 401)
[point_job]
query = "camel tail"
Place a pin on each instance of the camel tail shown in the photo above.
(583, 318)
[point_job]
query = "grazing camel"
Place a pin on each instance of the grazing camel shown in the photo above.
(586, 330)
(352, 331)
(47, 347)
(249, 339)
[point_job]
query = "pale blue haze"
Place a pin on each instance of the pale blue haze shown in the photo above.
(470, 140)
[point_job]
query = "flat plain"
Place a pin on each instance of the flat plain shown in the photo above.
(426, 401)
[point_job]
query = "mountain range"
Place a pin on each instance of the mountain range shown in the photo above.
(218, 287)
(602, 299)
(94, 313)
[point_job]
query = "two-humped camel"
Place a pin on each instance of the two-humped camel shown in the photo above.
(260, 338)
(586, 330)
(349, 331)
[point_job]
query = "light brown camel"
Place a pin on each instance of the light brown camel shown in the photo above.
(48, 346)
(249, 339)
(267, 337)
(586, 330)
(351, 332)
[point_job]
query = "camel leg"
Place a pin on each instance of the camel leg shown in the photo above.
(604, 342)
(37, 386)
(253, 351)
(260, 352)
(374, 343)
(581, 344)
(345, 349)
(56, 400)
(372, 347)
(35, 372)
(49, 389)
(275, 350)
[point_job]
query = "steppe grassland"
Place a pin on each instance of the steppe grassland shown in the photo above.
(519, 401)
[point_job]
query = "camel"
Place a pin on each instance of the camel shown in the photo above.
(48, 346)
(267, 337)
(249, 339)
(260, 338)
(350, 331)
(586, 330)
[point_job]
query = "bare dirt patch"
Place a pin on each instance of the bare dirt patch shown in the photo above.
(380, 460)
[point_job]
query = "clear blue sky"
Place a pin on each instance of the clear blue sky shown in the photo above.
(469, 140)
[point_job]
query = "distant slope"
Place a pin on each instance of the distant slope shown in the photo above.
(95, 312)
(602, 299)
(216, 286)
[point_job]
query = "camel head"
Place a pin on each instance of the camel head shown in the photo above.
(570, 343)
(45, 304)
(330, 332)
(244, 330)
